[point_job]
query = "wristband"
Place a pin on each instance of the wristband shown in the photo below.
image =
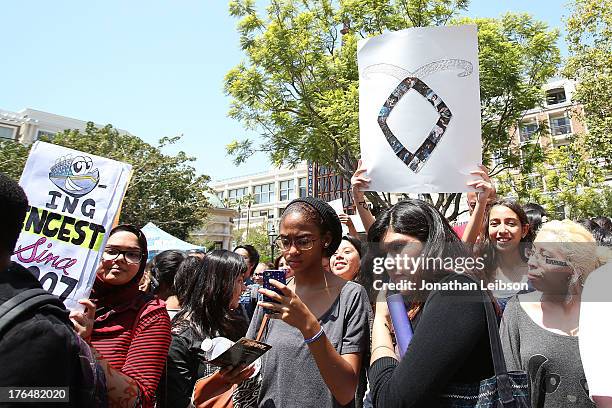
(315, 337)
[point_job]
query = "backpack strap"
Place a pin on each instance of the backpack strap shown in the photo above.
(23, 302)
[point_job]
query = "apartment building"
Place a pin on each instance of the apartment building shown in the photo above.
(261, 198)
(560, 115)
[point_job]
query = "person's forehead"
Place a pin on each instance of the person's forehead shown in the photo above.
(344, 244)
(500, 211)
(296, 223)
(396, 238)
(471, 196)
(242, 252)
(123, 239)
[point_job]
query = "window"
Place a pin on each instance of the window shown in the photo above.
(237, 194)
(264, 193)
(259, 213)
(560, 126)
(303, 187)
(218, 244)
(287, 191)
(555, 96)
(220, 194)
(44, 133)
(7, 132)
(527, 130)
(280, 212)
(496, 158)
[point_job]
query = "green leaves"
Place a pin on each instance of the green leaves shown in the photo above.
(568, 182)
(589, 34)
(13, 157)
(164, 189)
(298, 85)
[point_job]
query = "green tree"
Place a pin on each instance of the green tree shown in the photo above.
(298, 85)
(164, 189)
(13, 156)
(589, 35)
(258, 237)
(569, 183)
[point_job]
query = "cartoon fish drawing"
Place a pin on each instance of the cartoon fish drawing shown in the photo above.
(74, 175)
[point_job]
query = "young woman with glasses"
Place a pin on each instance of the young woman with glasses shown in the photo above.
(128, 330)
(539, 330)
(319, 323)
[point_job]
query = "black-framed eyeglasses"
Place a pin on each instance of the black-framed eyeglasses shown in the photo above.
(130, 255)
(301, 243)
(548, 259)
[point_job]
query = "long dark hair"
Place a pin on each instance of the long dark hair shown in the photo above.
(164, 267)
(206, 302)
(535, 214)
(184, 275)
(487, 249)
(422, 221)
(253, 255)
(364, 279)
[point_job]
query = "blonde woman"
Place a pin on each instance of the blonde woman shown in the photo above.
(539, 330)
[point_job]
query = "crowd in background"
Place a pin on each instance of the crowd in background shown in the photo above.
(140, 342)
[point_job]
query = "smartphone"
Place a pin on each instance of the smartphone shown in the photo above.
(276, 274)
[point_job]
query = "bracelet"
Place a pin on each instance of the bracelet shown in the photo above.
(315, 337)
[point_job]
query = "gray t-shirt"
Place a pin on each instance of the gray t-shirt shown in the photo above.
(290, 376)
(552, 360)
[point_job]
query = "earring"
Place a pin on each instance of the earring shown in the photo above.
(326, 244)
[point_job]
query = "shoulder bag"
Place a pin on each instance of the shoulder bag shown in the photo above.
(504, 390)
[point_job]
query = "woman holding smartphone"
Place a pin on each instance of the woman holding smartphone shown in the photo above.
(319, 324)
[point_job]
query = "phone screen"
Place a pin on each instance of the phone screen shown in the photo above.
(276, 274)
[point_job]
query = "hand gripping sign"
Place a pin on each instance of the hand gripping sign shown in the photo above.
(74, 198)
(433, 132)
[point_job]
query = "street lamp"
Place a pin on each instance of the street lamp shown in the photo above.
(271, 239)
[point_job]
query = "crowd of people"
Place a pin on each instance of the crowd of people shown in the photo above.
(143, 336)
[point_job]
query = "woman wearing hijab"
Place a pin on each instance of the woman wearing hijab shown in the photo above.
(128, 330)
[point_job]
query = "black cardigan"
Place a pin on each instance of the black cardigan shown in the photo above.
(450, 345)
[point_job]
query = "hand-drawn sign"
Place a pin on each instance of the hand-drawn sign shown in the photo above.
(411, 80)
(74, 176)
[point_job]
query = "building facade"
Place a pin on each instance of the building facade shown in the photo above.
(218, 226)
(560, 115)
(28, 125)
(260, 198)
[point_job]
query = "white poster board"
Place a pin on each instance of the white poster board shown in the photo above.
(419, 109)
(74, 198)
(339, 209)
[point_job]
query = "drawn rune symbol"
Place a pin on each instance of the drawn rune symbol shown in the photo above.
(411, 80)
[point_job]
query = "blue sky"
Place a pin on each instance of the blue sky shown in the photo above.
(154, 68)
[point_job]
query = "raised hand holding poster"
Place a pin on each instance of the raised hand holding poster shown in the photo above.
(73, 198)
(419, 109)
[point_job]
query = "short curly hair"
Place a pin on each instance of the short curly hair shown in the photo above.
(13, 210)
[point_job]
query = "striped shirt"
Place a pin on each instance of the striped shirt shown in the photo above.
(137, 349)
